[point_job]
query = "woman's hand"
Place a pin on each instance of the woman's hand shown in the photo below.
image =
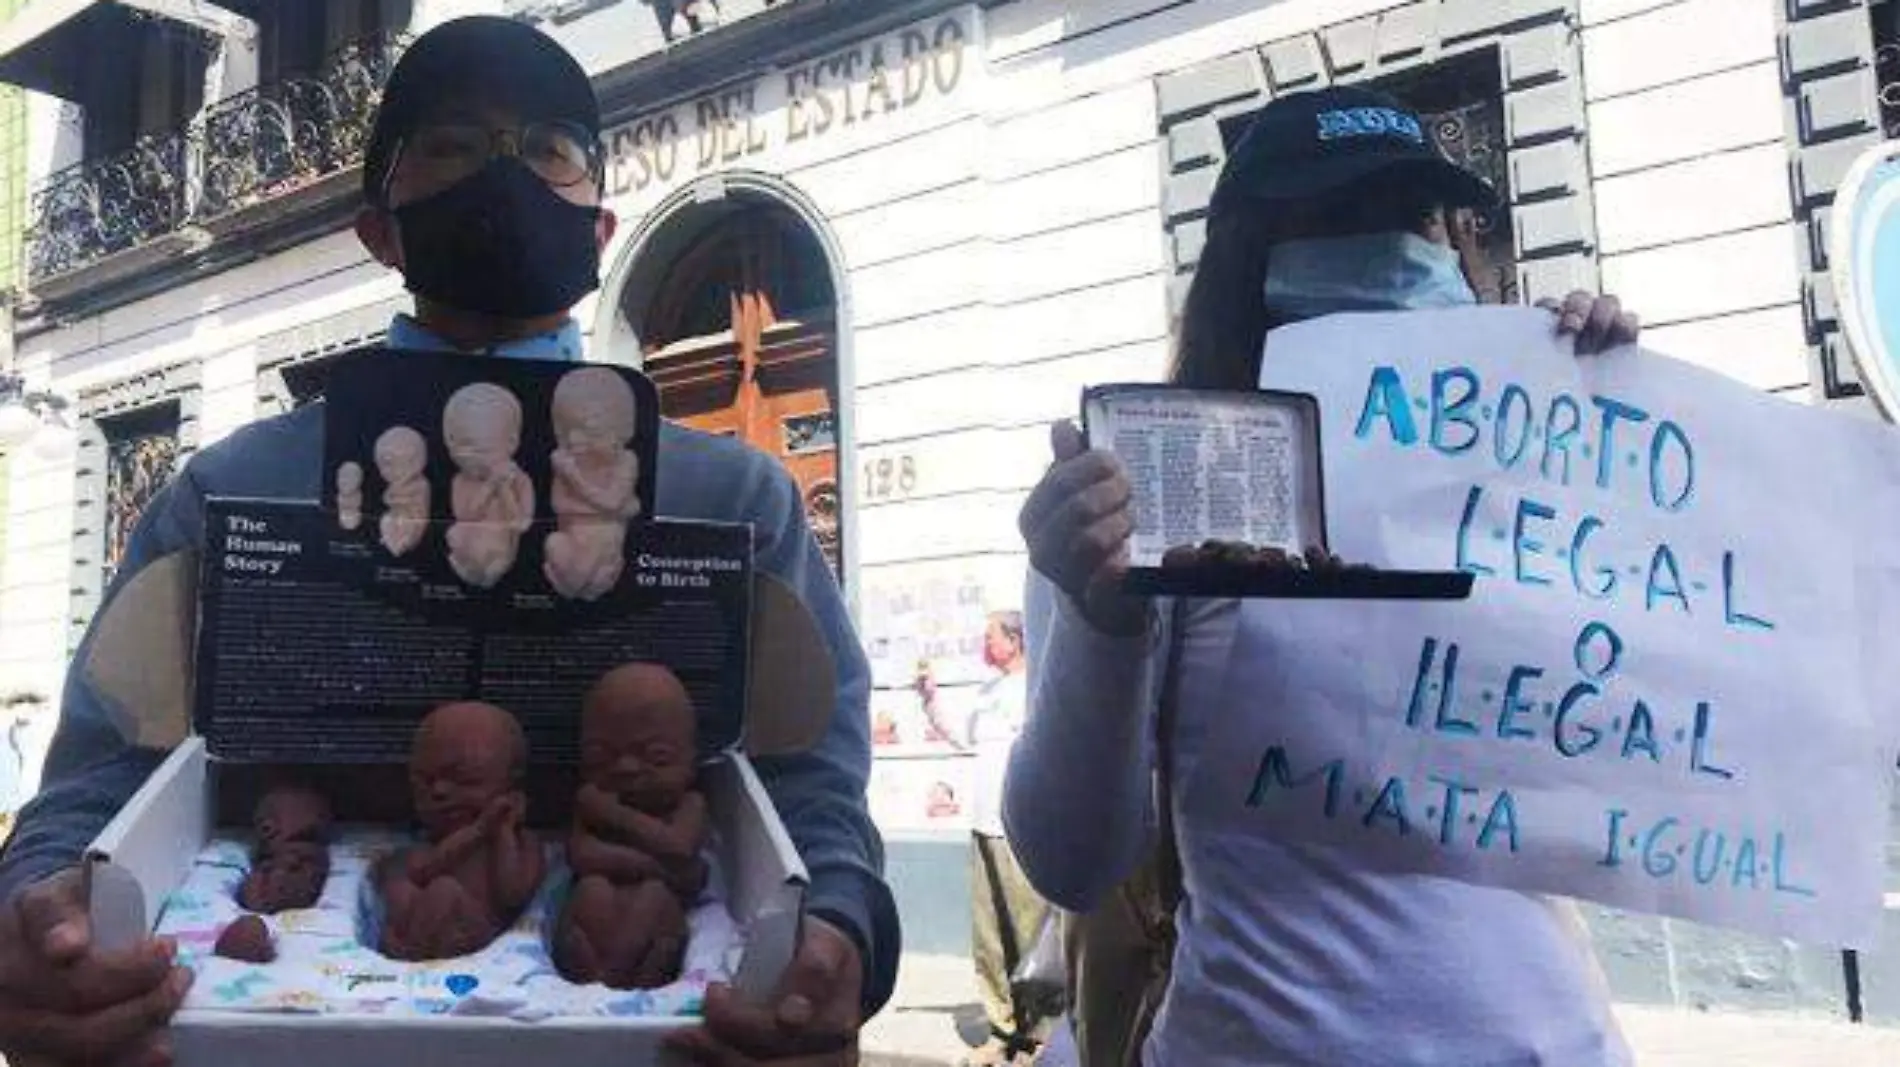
(1076, 524)
(1599, 323)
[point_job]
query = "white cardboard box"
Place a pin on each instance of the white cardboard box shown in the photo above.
(138, 660)
(145, 853)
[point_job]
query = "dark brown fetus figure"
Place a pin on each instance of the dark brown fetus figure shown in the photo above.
(481, 865)
(290, 858)
(638, 828)
(247, 939)
(1239, 555)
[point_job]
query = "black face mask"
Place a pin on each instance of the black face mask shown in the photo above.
(500, 242)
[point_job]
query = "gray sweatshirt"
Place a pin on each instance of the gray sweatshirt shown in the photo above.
(1285, 953)
(91, 772)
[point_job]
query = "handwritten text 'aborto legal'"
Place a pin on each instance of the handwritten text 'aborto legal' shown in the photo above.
(1637, 461)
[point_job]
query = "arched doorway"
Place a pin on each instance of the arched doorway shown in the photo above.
(735, 314)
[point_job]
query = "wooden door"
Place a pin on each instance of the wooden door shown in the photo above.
(741, 341)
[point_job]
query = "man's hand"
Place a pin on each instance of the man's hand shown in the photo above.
(63, 1002)
(811, 1021)
(1599, 323)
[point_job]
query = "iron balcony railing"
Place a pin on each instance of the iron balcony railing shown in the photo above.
(239, 152)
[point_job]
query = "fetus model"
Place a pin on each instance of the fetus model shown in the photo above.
(480, 865)
(290, 856)
(595, 477)
(492, 498)
(349, 496)
(247, 939)
(638, 828)
(401, 457)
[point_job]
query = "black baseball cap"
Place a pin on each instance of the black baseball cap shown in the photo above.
(1308, 145)
(500, 60)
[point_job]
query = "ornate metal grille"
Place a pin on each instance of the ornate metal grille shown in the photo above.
(822, 511)
(1472, 135)
(137, 467)
(276, 138)
(244, 150)
(88, 212)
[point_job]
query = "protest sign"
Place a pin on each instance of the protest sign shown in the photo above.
(1673, 687)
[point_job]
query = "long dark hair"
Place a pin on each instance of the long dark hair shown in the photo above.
(1224, 322)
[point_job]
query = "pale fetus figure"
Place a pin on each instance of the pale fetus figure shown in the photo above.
(401, 457)
(481, 865)
(595, 478)
(639, 826)
(492, 498)
(349, 496)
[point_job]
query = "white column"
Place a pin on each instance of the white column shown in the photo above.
(234, 69)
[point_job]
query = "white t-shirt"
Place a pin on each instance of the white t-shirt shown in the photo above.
(995, 719)
(1286, 954)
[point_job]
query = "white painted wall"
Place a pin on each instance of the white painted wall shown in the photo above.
(1694, 211)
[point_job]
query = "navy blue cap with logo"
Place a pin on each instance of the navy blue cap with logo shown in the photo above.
(1311, 145)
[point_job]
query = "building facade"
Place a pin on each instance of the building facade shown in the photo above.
(888, 241)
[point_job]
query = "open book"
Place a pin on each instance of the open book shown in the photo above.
(1239, 468)
(1229, 489)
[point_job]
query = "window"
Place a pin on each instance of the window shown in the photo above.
(291, 40)
(306, 380)
(153, 86)
(1885, 15)
(1466, 118)
(297, 40)
(284, 385)
(141, 450)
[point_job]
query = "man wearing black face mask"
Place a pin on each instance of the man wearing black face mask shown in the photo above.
(482, 186)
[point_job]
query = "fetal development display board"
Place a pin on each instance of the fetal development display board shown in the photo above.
(1673, 688)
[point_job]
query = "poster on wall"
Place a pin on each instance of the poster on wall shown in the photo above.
(900, 726)
(929, 618)
(922, 793)
(1671, 689)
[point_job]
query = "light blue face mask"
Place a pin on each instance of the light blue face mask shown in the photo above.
(1365, 272)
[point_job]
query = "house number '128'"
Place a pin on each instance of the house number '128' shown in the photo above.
(889, 477)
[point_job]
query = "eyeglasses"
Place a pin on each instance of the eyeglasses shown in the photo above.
(439, 154)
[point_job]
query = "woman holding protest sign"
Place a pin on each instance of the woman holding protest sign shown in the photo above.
(1284, 953)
